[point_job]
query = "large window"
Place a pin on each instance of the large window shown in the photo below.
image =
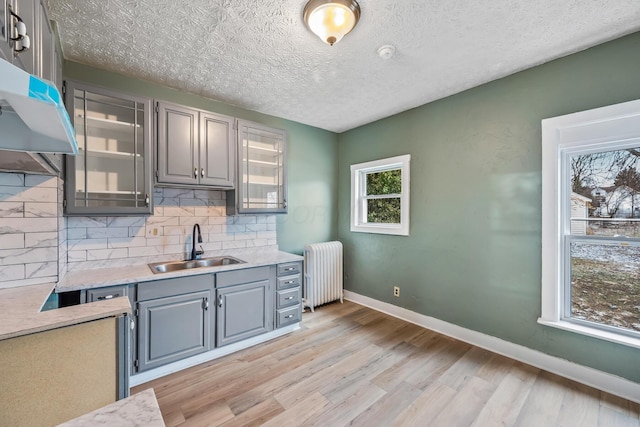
(591, 223)
(380, 196)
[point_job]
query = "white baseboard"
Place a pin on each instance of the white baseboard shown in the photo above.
(592, 377)
(161, 371)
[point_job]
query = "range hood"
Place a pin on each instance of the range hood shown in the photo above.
(33, 118)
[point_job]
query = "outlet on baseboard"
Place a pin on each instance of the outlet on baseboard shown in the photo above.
(396, 291)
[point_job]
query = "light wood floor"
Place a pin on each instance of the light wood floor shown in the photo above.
(352, 365)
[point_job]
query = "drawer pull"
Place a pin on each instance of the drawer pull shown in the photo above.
(288, 298)
(289, 282)
(289, 269)
(289, 316)
(108, 297)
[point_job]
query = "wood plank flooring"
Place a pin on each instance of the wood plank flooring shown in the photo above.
(350, 365)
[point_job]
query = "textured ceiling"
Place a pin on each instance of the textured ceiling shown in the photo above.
(259, 55)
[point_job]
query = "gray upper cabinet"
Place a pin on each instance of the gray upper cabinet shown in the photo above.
(32, 49)
(111, 175)
(194, 147)
(262, 178)
(27, 11)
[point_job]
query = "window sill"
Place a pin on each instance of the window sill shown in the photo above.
(593, 332)
(398, 230)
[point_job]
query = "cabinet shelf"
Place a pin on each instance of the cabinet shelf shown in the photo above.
(261, 162)
(269, 150)
(108, 154)
(109, 123)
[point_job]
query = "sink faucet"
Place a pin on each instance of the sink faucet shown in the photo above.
(195, 253)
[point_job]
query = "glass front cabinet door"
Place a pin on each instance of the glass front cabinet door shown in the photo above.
(112, 173)
(262, 179)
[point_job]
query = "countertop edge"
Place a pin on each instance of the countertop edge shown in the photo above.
(20, 313)
(104, 277)
(140, 409)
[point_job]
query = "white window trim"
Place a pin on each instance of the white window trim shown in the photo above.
(357, 195)
(611, 127)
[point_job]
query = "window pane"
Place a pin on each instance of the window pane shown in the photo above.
(605, 185)
(383, 211)
(605, 285)
(387, 182)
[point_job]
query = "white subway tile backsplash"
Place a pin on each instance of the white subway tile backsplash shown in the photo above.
(128, 242)
(17, 225)
(194, 202)
(11, 272)
(11, 179)
(27, 194)
(126, 221)
(234, 244)
(41, 240)
(41, 269)
(42, 181)
(76, 233)
(86, 244)
(40, 210)
(11, 209)
(76, 256)
(38, 244)
(27, 255)
(12, 241)
(103, 254)
(97, 233)
(86, 222)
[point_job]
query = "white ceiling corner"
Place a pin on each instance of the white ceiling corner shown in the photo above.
(260, 56)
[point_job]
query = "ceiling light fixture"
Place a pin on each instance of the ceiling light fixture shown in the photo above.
(331, 19)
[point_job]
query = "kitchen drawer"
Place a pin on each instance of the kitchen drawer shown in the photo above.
(175, 286)
(245, 275)
(100, 294)
(289, 268)
(288, 316)
(288, 282)
(288, 297)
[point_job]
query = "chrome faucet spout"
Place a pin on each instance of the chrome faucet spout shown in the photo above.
(196, 253)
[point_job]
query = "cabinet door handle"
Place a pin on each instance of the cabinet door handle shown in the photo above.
(147, 200)
(288, 316)
(288, 298)
(284, 203)
(205, 303)
(219, 300)
(202, 172)
(133, 324)
(195, 172)
(108, 297)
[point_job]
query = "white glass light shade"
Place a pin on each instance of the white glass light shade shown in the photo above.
(331, 19)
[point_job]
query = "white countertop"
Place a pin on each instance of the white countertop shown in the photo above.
(20, 311)
(98, 278)
(140, 409)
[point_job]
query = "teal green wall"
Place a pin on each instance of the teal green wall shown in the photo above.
(311, 154)
(473, 257)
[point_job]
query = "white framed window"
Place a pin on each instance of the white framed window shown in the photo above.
(591, 223)
(380, 196)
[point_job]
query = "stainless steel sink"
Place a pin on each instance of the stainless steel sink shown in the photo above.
(165, 267)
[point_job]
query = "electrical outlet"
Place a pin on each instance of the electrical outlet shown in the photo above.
(396, 291)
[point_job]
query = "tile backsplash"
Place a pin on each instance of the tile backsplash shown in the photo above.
(38, 244)
(29, 229)
(95, 242)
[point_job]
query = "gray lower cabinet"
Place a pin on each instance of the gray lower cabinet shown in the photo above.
(245, 304)
(288, 294)
(174, 320)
